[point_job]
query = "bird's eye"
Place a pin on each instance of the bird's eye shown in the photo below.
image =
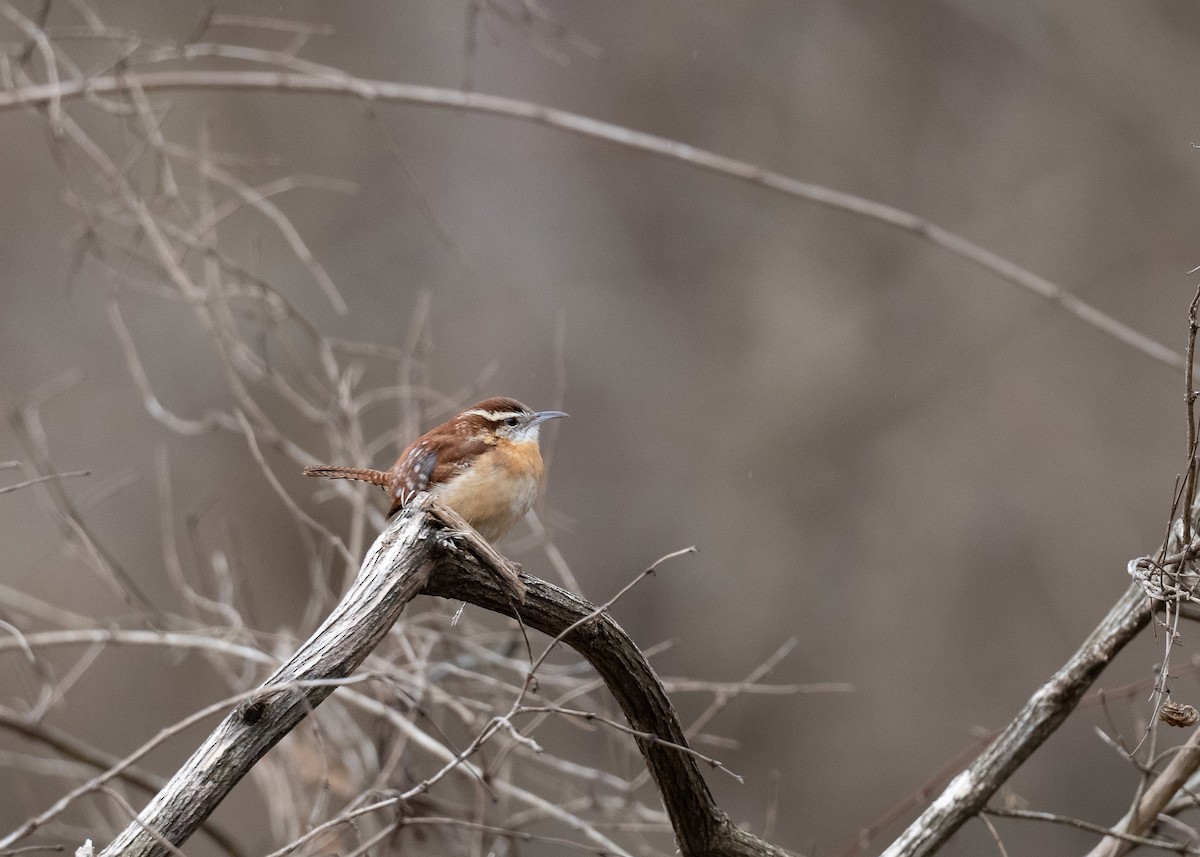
(512, 422)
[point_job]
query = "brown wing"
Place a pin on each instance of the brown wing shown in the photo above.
(429, 461)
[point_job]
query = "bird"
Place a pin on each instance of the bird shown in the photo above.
(484, 463)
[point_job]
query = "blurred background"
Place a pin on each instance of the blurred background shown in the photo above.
(929, 478)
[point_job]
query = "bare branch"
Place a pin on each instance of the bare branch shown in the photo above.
(1143, 816)
(408, 558)
(1127, 839)
(6, 489)
(339, 83)
(968, 792)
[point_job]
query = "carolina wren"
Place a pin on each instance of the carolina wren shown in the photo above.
(484, 463)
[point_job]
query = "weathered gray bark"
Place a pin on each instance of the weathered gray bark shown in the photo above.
(408, 559)
(968, 792)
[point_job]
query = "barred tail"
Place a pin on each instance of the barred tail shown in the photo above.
(336, 471)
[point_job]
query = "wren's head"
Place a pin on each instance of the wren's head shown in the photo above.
(507, 419)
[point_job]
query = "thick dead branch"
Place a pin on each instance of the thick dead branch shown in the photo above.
(967, 793)
(430, 550)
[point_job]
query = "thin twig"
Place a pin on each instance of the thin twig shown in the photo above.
(1164, 844)
(1145, 812)
(38, 479)
(593, 717)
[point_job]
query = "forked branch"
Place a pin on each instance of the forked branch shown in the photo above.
(429, 550)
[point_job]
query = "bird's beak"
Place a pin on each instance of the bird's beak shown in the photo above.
(542, 416)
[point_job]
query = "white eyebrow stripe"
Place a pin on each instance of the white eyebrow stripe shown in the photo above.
(495, 416)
